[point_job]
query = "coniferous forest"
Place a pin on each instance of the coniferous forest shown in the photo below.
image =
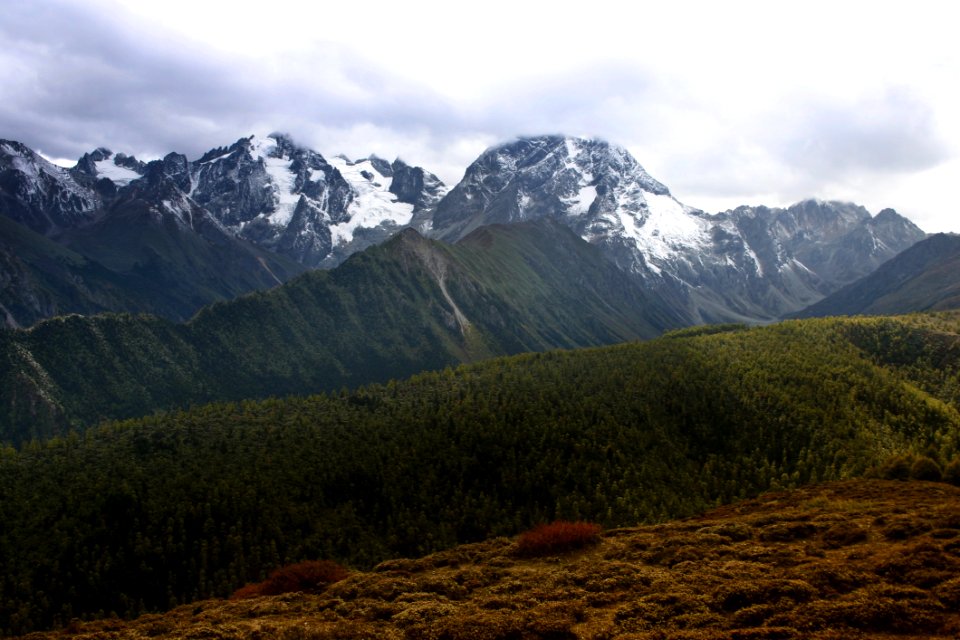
(142, 515)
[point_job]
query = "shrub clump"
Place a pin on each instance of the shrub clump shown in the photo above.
(557, 537)
(925, 468)
(897, 467)
(310, 576)
(951, 473)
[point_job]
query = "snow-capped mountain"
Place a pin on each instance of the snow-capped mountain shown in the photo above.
(240, 217)
(40, 195)
(264, 189)
(115, 234)
(295, 202)
(746, 264)
(268, 194)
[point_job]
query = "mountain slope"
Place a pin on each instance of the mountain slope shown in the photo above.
(40, 195)
(40, 278)
(747, 264)
(922, 278)
(391, 311)
(174, 507)
(858, 559)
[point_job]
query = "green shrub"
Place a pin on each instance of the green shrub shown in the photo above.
(897, 468)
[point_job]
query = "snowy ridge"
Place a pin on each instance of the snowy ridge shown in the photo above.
(666, 231)
(745, 264)
(39, 172)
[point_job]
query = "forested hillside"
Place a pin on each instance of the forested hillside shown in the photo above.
(145, 514)
(395, 310)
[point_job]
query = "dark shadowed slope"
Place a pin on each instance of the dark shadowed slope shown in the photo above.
(406, 306)
(925, 277)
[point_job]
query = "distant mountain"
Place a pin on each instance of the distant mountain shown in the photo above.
(256, 212)
(925, 277)
(170, 236)
(751, 263)
(40, 195)
(408, 305)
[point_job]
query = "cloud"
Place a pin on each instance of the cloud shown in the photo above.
(85, 81)
(889, 131)
(719, 109)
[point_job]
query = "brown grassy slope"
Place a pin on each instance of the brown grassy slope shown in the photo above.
(856, 559)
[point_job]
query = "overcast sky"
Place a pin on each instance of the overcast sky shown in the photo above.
(727, 103)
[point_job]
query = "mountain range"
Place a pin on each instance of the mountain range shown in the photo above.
(171, 235)
(156, 463)
(921, 278)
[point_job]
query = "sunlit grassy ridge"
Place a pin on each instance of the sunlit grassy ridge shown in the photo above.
(857, 559)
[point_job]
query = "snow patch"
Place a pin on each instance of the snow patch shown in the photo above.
(219, 157)
(667, 231)
(22, 164)
(753, 256)
(581, 202)
(182, 213)
(374, 204)
(282, 179)
(120, 176)
(261, 146)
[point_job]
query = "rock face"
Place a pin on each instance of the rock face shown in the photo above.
(40, 195)
(751, 263)
(412, 185)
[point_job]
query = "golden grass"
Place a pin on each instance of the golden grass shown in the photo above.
(858, 559)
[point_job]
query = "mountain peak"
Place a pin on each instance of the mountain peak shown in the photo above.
(598, 188)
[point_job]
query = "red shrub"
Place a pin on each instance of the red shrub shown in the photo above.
(311, 576)
(251, 590)
(557, 537)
